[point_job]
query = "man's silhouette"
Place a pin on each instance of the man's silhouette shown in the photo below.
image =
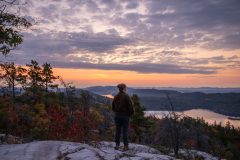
(123, 108)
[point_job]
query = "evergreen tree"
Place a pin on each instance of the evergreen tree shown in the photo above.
(48, 77)
(138, 121)
(35, 75)
(13, 75)
(86, 100)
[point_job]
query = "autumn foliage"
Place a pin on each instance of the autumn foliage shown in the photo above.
(37, 105)
(42, 110)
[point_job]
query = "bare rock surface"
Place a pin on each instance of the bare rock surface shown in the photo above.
(62, 150)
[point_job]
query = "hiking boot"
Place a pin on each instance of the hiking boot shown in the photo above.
(116, 147)
(125, 148)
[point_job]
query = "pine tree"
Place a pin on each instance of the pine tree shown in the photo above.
(138, 121)
(13, 75)
(48, 77)
(35, 75)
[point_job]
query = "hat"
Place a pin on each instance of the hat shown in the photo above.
(121, 86)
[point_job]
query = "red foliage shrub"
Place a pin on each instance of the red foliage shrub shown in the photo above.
(58, 122)
(67, 124)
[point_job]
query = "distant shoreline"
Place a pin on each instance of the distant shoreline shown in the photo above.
(234, 118)
(209, 116)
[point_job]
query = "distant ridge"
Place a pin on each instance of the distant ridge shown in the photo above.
(179, 89)
(227, 103)
(202, 89)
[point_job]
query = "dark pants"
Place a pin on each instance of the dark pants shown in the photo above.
(122, 124)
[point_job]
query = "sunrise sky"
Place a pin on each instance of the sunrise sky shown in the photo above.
(144, 43)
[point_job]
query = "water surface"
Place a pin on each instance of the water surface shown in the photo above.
(207, 115)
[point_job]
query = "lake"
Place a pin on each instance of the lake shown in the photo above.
(207, 115)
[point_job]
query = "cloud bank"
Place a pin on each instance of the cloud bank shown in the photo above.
(151, 36)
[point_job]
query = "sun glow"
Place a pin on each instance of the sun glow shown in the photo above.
(89, 77)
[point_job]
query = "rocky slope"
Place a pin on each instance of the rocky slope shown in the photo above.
(61, 150)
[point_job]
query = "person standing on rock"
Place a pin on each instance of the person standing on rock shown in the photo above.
(122, 107)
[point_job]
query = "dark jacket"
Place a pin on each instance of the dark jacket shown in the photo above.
(122, 105)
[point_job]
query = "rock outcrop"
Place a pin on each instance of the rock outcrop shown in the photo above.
(62, 150)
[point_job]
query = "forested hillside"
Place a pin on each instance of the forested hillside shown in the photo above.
(154, 99)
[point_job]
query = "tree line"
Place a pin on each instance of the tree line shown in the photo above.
(31, 77)
(43, 110)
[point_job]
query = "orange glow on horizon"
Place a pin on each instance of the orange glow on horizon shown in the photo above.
(94, 77)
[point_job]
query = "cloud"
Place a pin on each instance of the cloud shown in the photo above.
(198, 18)
(170, 23)
(140, 67)
(154, 34)
(132, 5)
(216, 60)
(70, 42)
(227, 42)
(171, 53)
